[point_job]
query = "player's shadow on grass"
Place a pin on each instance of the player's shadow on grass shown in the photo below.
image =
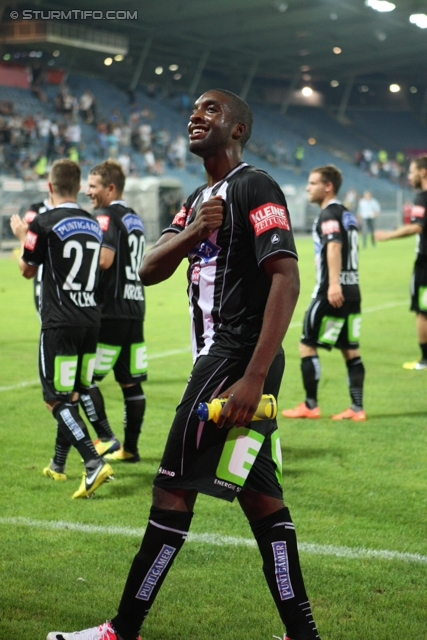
(138, 479)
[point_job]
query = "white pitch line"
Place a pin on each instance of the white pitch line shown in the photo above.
(173, 352)
(154, 356)
(18, 385)
(218, 540)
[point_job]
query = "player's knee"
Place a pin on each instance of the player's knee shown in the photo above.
(134, 392)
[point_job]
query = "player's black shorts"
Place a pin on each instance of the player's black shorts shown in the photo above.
(221, 462)
(419, 289)
(327, 326)
(66, 360)
(121, 347)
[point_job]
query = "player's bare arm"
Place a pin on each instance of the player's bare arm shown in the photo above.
(106, 258)
(163, 259)
(401, 232)
(19, 228)
(246, 392)
(335, 295)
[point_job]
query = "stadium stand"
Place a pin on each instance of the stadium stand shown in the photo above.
(272, 147)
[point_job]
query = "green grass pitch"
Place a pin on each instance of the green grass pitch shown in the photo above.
(356, 491)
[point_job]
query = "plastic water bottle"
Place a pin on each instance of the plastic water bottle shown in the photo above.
(266, 410)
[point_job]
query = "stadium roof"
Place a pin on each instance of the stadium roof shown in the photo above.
(245, 45)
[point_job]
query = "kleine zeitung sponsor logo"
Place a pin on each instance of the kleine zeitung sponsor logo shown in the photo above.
(269, 216)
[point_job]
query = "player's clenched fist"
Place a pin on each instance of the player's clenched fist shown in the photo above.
(210, 216)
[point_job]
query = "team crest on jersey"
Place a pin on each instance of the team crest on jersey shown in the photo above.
(132, 222)
(30, 240)
(179, 218)
(104, 222)
(349, 220)
(330, 226)
(268, 216)
(275, 238)
(418, 211)
(206, 250)
(73, 226)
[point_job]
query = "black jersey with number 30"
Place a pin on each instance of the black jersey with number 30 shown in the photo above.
(67, 242)
(227, 284)
(121, 290)
(337, 224)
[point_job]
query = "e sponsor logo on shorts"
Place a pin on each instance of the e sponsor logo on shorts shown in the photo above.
(269, 216)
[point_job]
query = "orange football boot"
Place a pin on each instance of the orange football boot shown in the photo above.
(349, 414)
(301, 411)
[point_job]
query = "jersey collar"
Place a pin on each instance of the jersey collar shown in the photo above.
(122, 202)
(67, 205)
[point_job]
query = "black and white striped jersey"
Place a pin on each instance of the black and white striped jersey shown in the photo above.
(227, 284)
(337, 224)
(66, 240)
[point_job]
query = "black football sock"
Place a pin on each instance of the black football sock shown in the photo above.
(423, 347)
(355, 378)
(75, 431)
(275, 535)
(134, 399)
(165, 534)
(94, 408)
(62, 448)
(310, 369)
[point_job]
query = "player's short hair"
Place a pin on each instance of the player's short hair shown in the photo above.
(65, 176)
(330, 173)
(110, 172)
(241, 113)
(421, 162)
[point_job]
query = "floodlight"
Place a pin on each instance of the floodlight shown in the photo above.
(394, 88)
(108, 62)
(419, 19)
(306, 91)
(158, 71)
(380, 5)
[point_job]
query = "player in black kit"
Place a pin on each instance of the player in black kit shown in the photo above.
(35, 209)
(417, 225)
(243, 286)
(67, 242)
(333, 318)
(121, 343)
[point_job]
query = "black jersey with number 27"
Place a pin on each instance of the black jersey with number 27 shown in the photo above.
(67, 241)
